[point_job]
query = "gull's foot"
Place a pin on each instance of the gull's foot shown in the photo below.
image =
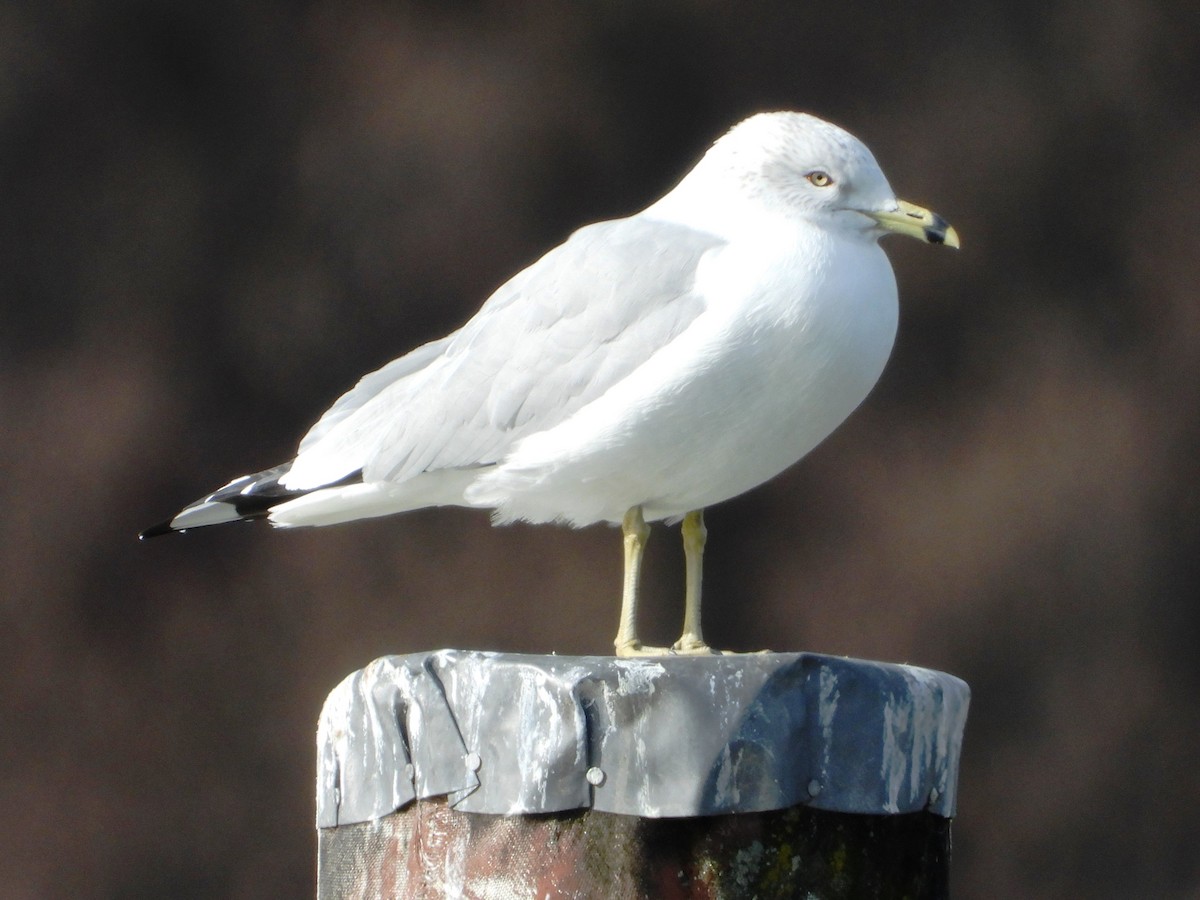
(690, 645)
(637, 648)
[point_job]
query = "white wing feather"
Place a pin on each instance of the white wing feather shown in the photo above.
(548, 342)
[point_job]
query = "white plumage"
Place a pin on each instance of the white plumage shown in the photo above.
(646, 368)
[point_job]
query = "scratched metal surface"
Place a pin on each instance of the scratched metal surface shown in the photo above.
(670, 736)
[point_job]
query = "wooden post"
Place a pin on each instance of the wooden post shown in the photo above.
(457, 774)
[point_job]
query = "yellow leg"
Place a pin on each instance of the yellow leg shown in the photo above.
(635, 532)
(694, 535)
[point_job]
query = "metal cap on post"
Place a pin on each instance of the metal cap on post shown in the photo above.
(773, 775)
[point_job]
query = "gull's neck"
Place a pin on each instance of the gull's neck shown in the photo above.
(715, 202)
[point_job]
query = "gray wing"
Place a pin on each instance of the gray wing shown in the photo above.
(369, 387)
(551, 340)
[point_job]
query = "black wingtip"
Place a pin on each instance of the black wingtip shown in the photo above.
(156, 531)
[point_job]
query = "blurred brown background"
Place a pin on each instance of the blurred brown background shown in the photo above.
(214, 217)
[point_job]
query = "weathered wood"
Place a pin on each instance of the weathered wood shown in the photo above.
(431, 851)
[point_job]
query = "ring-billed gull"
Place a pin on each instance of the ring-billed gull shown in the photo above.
(643, 370)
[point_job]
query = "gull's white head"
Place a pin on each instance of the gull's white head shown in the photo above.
(793, 163)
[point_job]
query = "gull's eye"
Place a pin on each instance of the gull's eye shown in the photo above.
(819, 178)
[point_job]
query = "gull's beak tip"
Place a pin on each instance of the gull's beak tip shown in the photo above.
(917, 222)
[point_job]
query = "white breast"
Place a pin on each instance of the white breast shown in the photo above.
(777, 361)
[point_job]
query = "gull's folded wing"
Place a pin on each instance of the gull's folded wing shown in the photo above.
(552, 339)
